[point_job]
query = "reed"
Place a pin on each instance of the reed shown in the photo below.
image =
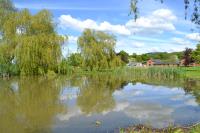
(156, 72)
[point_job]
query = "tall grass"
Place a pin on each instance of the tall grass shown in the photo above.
(144, 72)
(156, 72)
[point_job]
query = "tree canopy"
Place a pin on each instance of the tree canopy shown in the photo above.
(196, 54)
(124, 56)
(187, 56)
(164, 56)
(6, 7)
(28, 41)
(76, 60)
(97, 49)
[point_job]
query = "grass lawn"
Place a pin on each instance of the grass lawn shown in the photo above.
(191, 72)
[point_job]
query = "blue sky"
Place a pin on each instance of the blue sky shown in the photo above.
(160, 27)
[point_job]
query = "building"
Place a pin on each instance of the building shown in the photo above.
(158, 62)
(135, 64)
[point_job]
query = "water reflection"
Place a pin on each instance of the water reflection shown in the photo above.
(95, 94)
(29, 105)
(74, 104)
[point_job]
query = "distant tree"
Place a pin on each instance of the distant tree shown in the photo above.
(124, 56)
(134, 55)
(76, 60)
(163, 55)
(158, 55)
(145, 57)
(172, 59)
(178, 54)
(196, 54)
(97, 49)
(139, 58)
(187, 56)
(192, 4)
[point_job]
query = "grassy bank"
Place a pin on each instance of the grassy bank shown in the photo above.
(144, 129)
(167, 72)
(140, 72)
(191, 72)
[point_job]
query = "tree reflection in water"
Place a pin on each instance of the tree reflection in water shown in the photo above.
(95, 95)
(31, 104)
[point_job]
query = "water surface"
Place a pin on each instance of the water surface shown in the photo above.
(73, 105)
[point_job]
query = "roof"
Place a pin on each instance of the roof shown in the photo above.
(160, 62)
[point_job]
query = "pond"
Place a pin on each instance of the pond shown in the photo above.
(95, 103)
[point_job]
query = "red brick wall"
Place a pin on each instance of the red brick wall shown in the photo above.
(150, 63)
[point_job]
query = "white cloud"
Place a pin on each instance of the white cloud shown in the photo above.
(69, 21)
(155, 113)
(72, 39)
(193, 36)
(174, 49)
(188, 99)
(123, 94)
(181, 41)
(155, 49)
(180, 32)
(152, 25)
(165, 14)
(129, 43)
(137, 44)
(191, 102)
(159, 21)
(70, 46)
(147, 45)
(73, 111)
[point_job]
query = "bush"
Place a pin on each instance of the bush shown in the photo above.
(64, 67)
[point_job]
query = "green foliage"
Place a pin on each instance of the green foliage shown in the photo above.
(6, 51)
(124, 56)
(187, 56)
(97, 49)
(196, 54)
(7, 65)
(6, 7)
(173, 59)
(75, 60)
(157, 55)
(195, 129)
(64, 67)
(191, 72)
(158, 72)
(36, 52)
(31, 41)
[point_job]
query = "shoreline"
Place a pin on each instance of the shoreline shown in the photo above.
(195, 128)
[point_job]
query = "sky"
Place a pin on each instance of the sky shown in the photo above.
(159, 28)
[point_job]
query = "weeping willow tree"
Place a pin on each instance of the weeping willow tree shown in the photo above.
(39, 48)
(31, 42)
(6, 7)
(97, 49)
(6, 51)
(192, 4)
